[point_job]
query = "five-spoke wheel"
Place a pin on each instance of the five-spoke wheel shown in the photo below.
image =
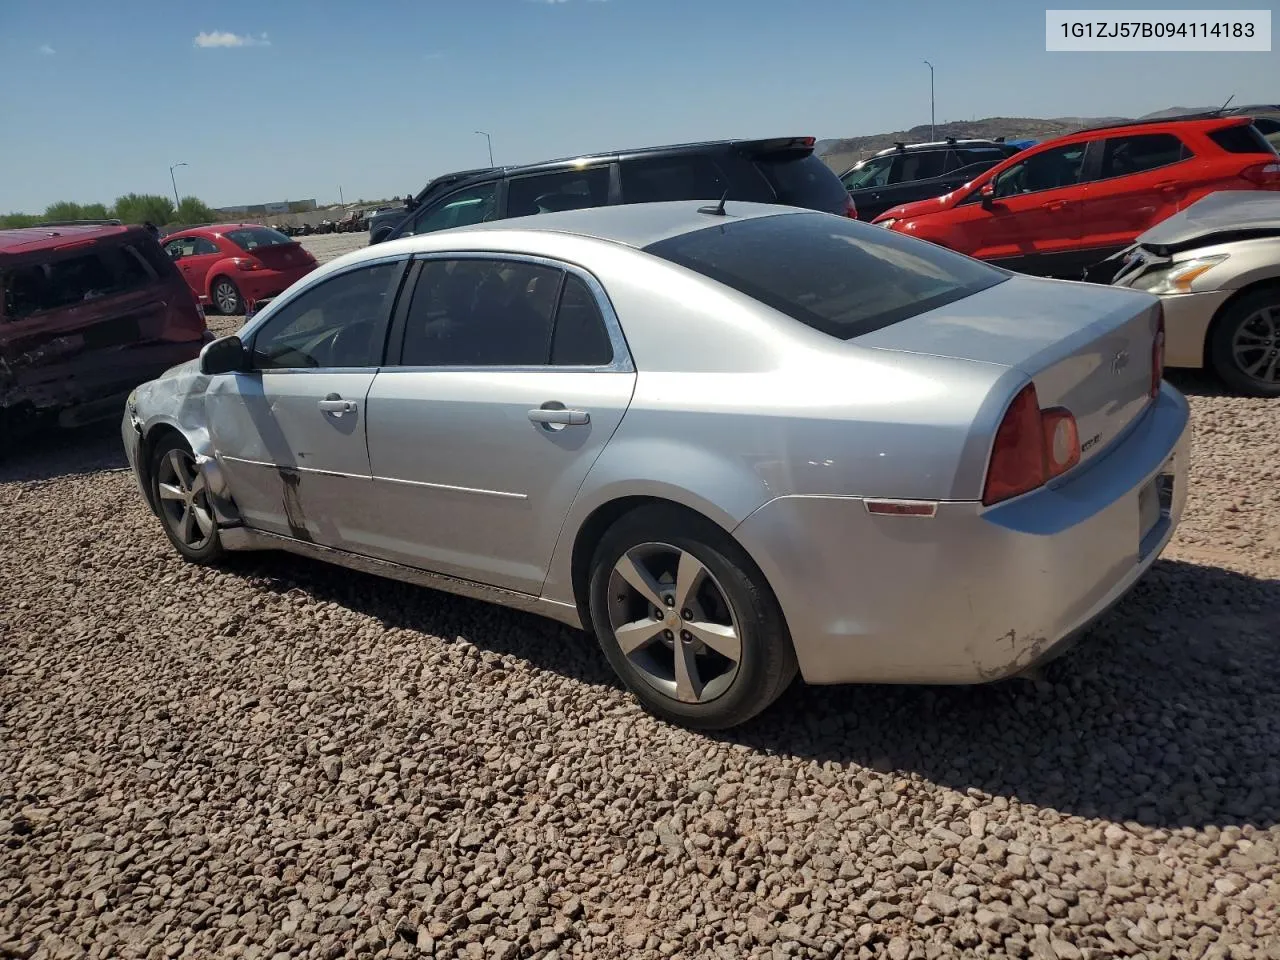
(182, 500)
(687, 620)
(1244, 348)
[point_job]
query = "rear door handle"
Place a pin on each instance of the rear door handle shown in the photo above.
(560, 416)
(336, 405)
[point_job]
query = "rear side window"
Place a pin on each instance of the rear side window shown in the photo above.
(250, 238)
(1242, 139)
(803, 181)
(833, 274)
(1124, 156)
(919, 165)
(580, 337)
(68, 281)
(690, 177)
(552, 192)
(481, 313)
(973, 155)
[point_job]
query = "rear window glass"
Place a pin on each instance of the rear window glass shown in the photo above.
(803, 181)
(1242, 139)
(70, 280)
(833, 274)
(250, 238)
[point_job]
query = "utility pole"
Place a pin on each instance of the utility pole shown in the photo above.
(341, 202)
(932, 133)
(172, 179)
(490, 141)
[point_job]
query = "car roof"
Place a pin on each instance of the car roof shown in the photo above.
(606, 156)
(1199, 121)
(213, 228)
(26, 239)
(630, 224)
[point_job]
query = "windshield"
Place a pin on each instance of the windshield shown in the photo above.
(831, 273)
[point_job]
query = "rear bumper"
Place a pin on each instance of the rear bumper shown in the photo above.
(1186, 323)
(972, 594)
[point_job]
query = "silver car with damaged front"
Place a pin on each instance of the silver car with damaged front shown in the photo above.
(732, 443)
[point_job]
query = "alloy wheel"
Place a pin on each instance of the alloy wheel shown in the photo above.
(1255, 347)
(184, 499)
(673, 622)
(227, 297)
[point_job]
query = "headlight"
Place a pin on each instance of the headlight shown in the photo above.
(133, 396)
(887, 223)
(1176, 277)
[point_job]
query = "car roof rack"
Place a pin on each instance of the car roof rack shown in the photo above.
(1155, 121)
(899, 145)
(80, 223)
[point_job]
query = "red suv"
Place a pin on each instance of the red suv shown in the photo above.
(1060, 206)
(234, 265)
(86, 314)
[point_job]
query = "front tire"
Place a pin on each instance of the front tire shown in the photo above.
(687, 621)
(1244, 348)
(182, 501)
(226, 297)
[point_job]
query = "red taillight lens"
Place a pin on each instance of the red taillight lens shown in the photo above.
(1017, 456)
(850, 209)
(1032, 446)
(244, 263)
(1157, 353)
(1263, 174)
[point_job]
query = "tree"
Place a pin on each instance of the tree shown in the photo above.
(143, 207)
(194, 210)
(12, 221)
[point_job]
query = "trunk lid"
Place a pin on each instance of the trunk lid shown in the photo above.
(1087, 348)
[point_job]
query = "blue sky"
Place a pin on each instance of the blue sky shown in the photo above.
(97, 99)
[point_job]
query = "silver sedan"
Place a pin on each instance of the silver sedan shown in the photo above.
(733, 443)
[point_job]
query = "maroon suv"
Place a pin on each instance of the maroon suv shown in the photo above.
(86, 314)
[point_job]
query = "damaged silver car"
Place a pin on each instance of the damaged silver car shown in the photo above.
(735, 441)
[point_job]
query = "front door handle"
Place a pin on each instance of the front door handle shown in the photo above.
(1056, 205)
(336, 405)
(559, 416)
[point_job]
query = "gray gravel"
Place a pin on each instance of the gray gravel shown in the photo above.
(280, 759)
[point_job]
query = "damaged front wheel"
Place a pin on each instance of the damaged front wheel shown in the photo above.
(182, 500)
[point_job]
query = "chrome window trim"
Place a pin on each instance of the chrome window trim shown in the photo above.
(621, 363)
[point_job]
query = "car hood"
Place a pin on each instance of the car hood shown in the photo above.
(1227, 212)
(919, 208)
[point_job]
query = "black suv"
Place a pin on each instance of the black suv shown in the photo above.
(905, 172)
(782, 170)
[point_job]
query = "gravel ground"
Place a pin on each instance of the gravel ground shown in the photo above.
(282, 759)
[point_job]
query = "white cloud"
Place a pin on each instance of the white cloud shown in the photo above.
(47, 50)
(224, 38)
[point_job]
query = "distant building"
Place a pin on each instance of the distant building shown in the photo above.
(263, 209)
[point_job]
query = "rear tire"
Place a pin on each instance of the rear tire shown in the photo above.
(717, 651)
(225, 297)
(182, 502)
(1244, 347)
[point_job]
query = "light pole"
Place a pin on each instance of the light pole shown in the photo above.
(490, 140)
(176, 202)
(932, 133)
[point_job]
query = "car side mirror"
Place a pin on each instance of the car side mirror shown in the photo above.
(224, 355)
(987, 193)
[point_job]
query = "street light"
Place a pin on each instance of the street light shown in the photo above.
(490, 139)
(932, 133)
(176, 202)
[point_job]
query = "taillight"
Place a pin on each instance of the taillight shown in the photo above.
(1032, 446)
(1157, 353)
(850, 208)
(244, 263)
(1263, 174)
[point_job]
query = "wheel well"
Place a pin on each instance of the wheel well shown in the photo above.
(1218, 317)
(145, 447)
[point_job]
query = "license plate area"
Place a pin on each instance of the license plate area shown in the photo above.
(1155, 506)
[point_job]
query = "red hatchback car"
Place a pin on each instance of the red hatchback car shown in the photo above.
(1060, 206)
(231, 266)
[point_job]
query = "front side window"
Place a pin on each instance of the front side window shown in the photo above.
(1047, 170)
(481, 313)
(552, 192)
(339, 322)
(472, 205)
(836, 275)
(869, 173)
(190, 247)
(1125, 156)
